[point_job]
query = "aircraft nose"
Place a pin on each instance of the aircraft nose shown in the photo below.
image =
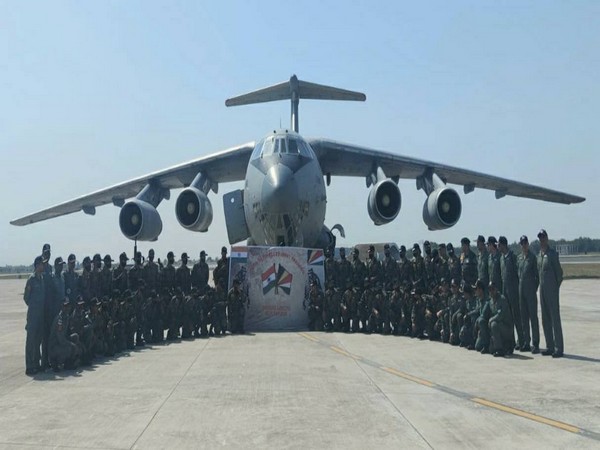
(279, 191)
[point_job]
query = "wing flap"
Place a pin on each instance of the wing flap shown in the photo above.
(341, 159)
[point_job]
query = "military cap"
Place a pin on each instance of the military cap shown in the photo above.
(151, 251)
(223, 249)
(342, 250)
(465, 240)
(542, 233)
(443, 280)
(386, 247)
(202, 253)
(416, 248)
(371, 248)
(66, 302)
(355, 251)
(86, 260)
(523, 239)
(138, 255)
(479, 285)
(107, 258)
(38, 260)
(94, 300)
(402, 249)
(97, 257)
(71, 258)
(491, 240)
(442, 245)
(170, 255)
(80, 301)
(123, 256)
(449, 246)
(46, 248)
(58, 261)
(184, 255)
(481, 239)
(502, 240)
(426, 244)
(435, 253)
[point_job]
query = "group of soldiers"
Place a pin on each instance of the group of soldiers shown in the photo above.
(478, 301)
(74, 316)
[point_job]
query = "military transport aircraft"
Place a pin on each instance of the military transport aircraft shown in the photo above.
(283, 200)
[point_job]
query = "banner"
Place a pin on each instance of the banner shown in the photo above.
(276, 281)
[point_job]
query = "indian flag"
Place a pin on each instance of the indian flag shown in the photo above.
(239, 252)
(269, 277)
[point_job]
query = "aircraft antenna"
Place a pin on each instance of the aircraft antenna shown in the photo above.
(294, 90)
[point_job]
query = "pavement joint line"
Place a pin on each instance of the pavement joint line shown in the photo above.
(37, 445)
(170, 394)
(459, 394)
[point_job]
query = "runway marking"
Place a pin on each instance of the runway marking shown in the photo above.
(309, 337)
(527, 415)
(459, 394)
(407, 376)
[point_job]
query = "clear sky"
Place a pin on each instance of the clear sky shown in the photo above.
(94, 93)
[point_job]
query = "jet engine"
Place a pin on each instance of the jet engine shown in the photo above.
(442, 209)
(140, 220)
(384, 201)
(194, 210)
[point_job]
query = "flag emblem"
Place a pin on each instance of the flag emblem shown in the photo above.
(269, 277)
(276, 277)
(315, 257)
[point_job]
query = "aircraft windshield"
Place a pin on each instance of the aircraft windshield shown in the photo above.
(281, 145)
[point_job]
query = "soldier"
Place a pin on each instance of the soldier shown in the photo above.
(119, 274)
(151, 272)
(136, 273)
(510, 285)
(466, 321)
(453, 264)
(427, 259)
(359, 272)
(482, 327)
(494, 271)
(373, 265)
(219, 322)
(71, 279)
(501, 327)
(417, 314)
(200, 273)
(418, 269)
(96, 276)
(349, 309)
(80, 325)
(455, 304)
(344, 269)
(551, 275)
(483, 258)
(62, 346)
(468, 262)
(34, 297)
(404, 268)
(389, 269)
(440, 265)
(365, 304)
(106, 277)
(55, 296)
(377, 315)
(183, 276)
(528, 285)
(236, 305)
(315, 308)
(168, 273)
(221, 272)
(396, 309)
(331, 274)
(85, 280)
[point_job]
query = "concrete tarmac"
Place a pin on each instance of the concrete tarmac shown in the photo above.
(308, 390)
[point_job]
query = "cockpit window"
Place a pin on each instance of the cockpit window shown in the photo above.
(281, 145)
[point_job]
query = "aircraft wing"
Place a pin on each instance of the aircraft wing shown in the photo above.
(341, 159)
(225, 166)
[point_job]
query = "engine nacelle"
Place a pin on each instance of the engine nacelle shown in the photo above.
(384, 202)
(442, 209)
(140, 220)
(193, 210)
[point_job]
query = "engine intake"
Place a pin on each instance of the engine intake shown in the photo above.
(194, 210)
(384, 202)
(140, 220)
(442, 209)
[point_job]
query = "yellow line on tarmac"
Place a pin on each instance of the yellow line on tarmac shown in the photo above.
(340, 351)
(520, 413)
(309, 337)
(406, 376)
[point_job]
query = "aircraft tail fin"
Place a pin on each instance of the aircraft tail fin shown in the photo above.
(294, 90)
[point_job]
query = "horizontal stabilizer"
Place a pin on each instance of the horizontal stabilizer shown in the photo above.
(301, 89)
